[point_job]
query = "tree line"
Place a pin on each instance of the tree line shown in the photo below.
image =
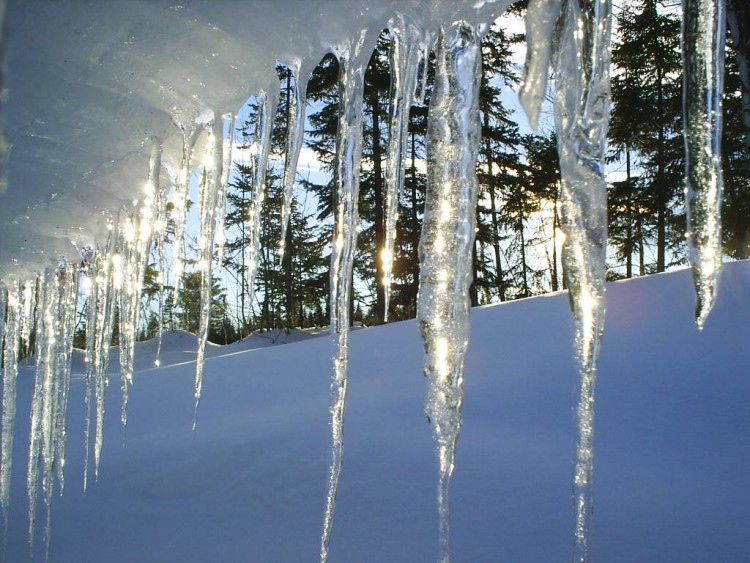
(516, 253)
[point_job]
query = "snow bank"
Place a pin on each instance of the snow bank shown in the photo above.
(670, 481)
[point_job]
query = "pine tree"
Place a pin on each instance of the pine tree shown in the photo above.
(647, 124)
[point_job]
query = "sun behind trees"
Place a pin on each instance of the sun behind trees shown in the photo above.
(517, 248)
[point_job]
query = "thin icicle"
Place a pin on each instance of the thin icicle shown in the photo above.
(295, 132)
(703, 85)
(160, 227)
(445, 247)
(179, 214)
(27, 314)
(221, 200)
(3, 311)
(541, 18)
(213, 177)
(424, 67)
(405, 52)
(100, 269)
(581, 117)
(260, 148)
(89, 261)
(136, 237)
(348, 157)
(10, 376)
(67, 305)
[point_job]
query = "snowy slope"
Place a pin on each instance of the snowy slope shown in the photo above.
(671, 470)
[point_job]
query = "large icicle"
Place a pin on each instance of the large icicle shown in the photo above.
(445, 248)
(10, 376)
(703, 84)
(581, 118)
(348, 156)
(407, 45)
(211, 192)
(296, 129)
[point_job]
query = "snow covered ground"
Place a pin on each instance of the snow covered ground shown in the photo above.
(672, 479)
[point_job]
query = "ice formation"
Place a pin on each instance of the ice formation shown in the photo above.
(133, 87)
(581, 119)
(445, 248)
(408, 48)
(352, 62)
(703, 85)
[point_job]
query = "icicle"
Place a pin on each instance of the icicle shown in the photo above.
(160, 226)
(221, 200)
(136, 236)
(261, 147)
(295, 132)
(348, 156)
(3, 311)
(541, 18)
(182, 188)
(103, 270)
(67, 303)
(90, 269)
(424, 67)
(703, 84)
(404, 62)
(44, 404)
(212, 191)
(10, 375)
(445, 247)
(581, 117)
(29, 305)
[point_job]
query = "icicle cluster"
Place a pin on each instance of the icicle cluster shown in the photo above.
(703, 83)
(571, 36)
(445, 248)
(55, 325)
(11, 306)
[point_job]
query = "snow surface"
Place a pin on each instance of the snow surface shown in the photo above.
(670, 481)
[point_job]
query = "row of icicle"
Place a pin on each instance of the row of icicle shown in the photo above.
(571, 36)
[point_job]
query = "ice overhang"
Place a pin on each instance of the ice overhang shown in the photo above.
(87, 85)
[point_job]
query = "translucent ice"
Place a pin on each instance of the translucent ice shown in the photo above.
(581, 119)
(703, 84)
(446, 245)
